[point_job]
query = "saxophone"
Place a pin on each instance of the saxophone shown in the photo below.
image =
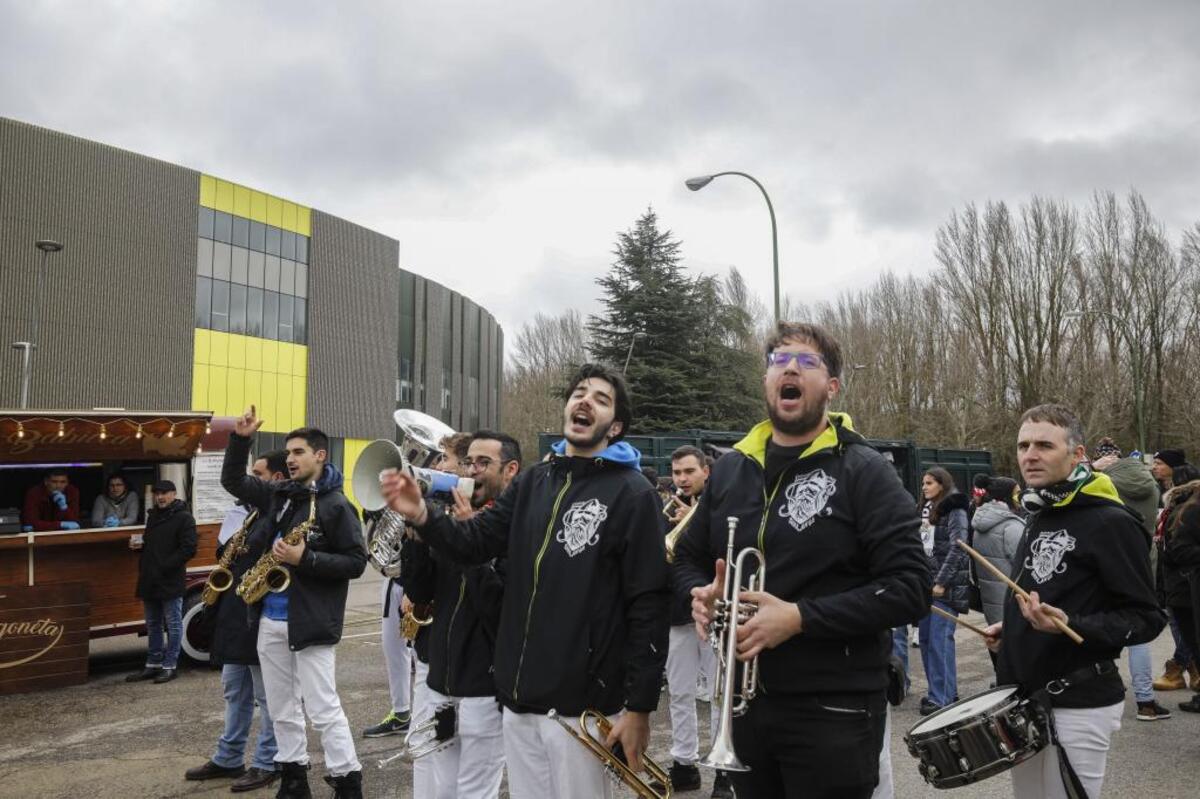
(221, 577)
(268, 574)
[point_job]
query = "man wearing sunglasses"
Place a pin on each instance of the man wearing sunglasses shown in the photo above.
(463, 632)
(844, 566)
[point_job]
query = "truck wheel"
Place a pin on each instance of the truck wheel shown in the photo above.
(196, 638)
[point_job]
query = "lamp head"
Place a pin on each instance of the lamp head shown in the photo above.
(697, 183)
(48, 245)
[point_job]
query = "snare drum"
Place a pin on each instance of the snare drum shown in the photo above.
(978, 737)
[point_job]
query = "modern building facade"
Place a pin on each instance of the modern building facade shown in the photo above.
(181, 290)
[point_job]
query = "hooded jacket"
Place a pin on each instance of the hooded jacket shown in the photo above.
(949, 563)
(462, 635)
(583, 623)
(167, 545)
(334, 553)
(125, 511)
(840, 537)
(998, 531)
(1137, 489)
(235, 633)
(1086, 554)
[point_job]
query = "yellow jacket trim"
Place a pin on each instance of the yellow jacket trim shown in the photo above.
(754, 445)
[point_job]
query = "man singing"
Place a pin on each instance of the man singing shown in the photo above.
(583, 624)
(1084, 561)
(844, 566)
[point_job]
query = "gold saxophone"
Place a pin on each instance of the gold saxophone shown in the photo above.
(268, 575)
(221, 577)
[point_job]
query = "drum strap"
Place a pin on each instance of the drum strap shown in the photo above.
(1044, 697)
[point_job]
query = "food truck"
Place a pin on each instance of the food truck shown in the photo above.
(61, 588)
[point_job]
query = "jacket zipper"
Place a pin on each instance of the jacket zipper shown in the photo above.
(762, 527)
(462, 588)
(537, 565)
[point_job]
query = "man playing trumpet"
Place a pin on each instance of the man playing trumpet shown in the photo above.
(844, 566)
(583, 622)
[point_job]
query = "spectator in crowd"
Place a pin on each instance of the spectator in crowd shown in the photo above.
(1165, 462)
(118, 507)
(1182, 536)
(168, 544)
(979, 493)
(53, 504)
(1138, 490)
(951, 578)
(1171, 585)
(998, 528)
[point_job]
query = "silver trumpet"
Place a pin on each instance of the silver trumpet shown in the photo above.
(432, 735)
(722, 635)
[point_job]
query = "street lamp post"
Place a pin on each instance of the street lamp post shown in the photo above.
(629, 354)
(1138, 367)
(47, 246)
(697, 183)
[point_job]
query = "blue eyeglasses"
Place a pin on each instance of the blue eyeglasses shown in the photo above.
(804, 360)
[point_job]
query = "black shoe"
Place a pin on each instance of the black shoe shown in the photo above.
(928, 708)
(722, 787)
(394, 724)
(1152, 711)
(211, 770)
(682, 776)
(166, 675)
(347, 786)
(293, 782)
(254, 778)
(145, 674)
(1191, 706)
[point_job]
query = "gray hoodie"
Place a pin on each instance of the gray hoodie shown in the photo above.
(126, 510)
(998, 532)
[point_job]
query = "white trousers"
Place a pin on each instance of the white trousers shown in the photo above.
(298, 683)
(886, 788)
(684, 658)
(1085, 734)
(396, 652)
(472, 767)
(424, 778)
(545, 762)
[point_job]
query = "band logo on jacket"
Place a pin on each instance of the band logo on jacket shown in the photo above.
(807, 497)
(1046, 553)
(581, 526)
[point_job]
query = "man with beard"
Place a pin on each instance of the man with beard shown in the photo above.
(844, 566)
(583, 622)
(1084, 561)
(462, 634)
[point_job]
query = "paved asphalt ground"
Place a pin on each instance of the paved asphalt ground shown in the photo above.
(111, 739)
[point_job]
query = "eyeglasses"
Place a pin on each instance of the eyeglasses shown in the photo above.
(481, 464)
(804, 360)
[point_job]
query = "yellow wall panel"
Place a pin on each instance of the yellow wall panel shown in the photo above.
(258, 206)
(287, 219)
(235, 397)
(217, 382)
(237, 351)
(200, 387)
(208, 191)
(201, 341)
(283, 401)
(253, 390)
(219, 349)
(303, 220)
(298, 401)
(224, 196)
(300, 361)
(241, 201)
(254, 354)
(274, 211)
(266, 407)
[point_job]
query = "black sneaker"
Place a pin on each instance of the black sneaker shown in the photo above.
(722, 787)
(148, 673)
(165, 675)
(928, 708)
(211, 770)
(394, 724)
(1191, 706)
(1152, 711)
(682, 776)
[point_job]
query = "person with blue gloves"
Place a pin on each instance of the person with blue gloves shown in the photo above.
(51, 505)
(117, 508)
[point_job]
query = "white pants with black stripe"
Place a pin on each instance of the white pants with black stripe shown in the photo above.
(544, 760)
(299, 683)
(1086, 734)
(472, 767)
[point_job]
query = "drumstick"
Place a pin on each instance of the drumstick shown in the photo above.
(957, 620)
(1018, 590)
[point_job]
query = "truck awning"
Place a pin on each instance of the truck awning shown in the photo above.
(48, 436)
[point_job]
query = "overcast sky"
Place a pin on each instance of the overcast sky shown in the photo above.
(504, 144)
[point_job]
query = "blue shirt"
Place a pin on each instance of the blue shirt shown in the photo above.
(275, 604)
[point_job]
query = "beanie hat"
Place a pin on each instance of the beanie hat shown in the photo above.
(1107, 447)
(1172, 457)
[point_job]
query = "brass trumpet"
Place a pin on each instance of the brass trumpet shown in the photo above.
(411, 623)
(221, 578)
(432, 735)
(677, 530)
(616, 767)
(722, 634)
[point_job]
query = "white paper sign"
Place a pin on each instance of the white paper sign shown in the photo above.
(210, 502)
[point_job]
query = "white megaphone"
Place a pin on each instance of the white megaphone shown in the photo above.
(381, 456)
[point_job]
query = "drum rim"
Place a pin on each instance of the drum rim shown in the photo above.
(916, 729)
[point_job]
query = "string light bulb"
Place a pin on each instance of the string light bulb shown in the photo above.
(103, 432)
(207, 428)
(20, 430)
(138, 434)
(61, 431)
(171, 432)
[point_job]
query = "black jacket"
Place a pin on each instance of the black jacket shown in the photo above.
(334, 553)
(235, 632)
(583, 622)
(1088, 556)
(466, 616)
(168, 544)
(841, 540)
(1177, 558)
(949, 563)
